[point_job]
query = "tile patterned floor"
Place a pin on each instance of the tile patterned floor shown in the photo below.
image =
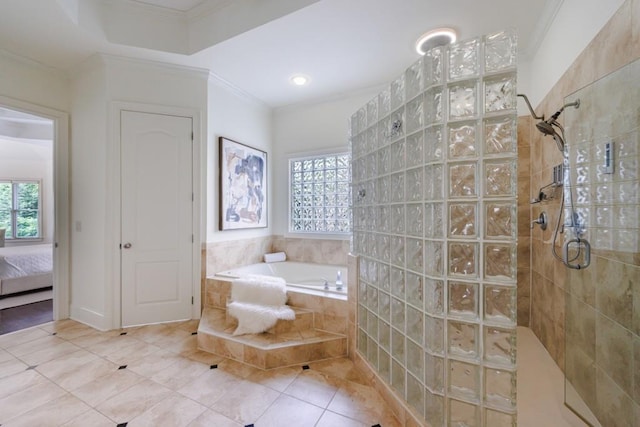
(68, 374)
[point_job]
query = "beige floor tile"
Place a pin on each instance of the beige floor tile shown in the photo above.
(5, 355)
(340, 368)
(11, 367)
(180, 373)
(151, 333)
(20, 337)
(331, 419)
(245, 402)
(202, 357)
(154, 363)
(93, 338)
(313, 387)
(91, 418)
(289, 411)
(109, 385)
(42, 349)
(85, 374)
(134, 401)
(210, 386)
(20, 381)
(61, 366)
(362, 403)
(211, 418)
(53, 413)
(112, 345)
(27, 399)
(540, 386)
(174, 411)
(131, 353)
(189, 325)
(67, 329)
(278, 379)
(236, 368)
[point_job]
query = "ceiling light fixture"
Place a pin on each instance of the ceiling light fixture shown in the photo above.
(433, 38)
(299, 80)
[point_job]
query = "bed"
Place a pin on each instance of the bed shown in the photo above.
(25, 268)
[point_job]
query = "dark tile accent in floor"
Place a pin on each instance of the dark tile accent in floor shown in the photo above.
(24, 316)
(122, 367)
(213, 367)
(122, 425)
(305, 367)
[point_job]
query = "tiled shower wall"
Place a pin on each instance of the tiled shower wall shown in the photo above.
(435, 226)
(591, 308)
(602, 324)
(617, 44)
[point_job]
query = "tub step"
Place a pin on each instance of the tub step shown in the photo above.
(289, 342)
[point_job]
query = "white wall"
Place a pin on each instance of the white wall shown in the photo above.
(23, 160)
(28, 81)
(98, 84)
(576, 23)
(240, 117)
(308, 128)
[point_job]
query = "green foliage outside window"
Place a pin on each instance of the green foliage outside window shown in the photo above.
(20, 209)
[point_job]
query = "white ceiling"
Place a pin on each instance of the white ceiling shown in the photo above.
(343, 45)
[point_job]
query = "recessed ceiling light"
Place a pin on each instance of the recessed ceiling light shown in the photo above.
(299, 80)
(433, 38)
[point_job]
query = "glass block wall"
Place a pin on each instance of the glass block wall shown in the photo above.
(434, 220)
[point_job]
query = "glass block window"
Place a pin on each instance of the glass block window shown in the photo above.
(320, 194)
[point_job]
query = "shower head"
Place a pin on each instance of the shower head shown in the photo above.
(546, 128)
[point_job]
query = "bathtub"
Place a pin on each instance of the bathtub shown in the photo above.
(298, 275)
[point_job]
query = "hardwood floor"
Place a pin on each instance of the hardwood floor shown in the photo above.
(25, 316)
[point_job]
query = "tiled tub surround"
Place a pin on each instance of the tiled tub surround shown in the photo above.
(318, 332)
(602, 324)
(435, 226)
(221, 256)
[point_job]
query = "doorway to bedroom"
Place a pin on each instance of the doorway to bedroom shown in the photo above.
(27, 219)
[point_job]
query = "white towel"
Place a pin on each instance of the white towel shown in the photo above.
(258, 289)
(275, 257)
(258, 303)
(255, 319)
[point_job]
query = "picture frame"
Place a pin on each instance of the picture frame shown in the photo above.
(243, 186)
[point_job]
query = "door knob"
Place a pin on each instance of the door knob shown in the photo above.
(127, 245)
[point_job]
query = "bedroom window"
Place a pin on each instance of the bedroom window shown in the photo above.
(20, 209)
(319, 194)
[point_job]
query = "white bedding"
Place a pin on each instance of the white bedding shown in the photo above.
(33, 263)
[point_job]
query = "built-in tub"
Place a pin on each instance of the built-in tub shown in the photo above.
(296, 274)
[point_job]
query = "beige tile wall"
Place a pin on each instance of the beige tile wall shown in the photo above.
(616, 45)
(599, 305)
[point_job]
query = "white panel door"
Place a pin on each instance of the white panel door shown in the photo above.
(156, 241)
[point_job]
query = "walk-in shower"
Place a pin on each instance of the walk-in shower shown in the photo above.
(435, 227)
(576, 249)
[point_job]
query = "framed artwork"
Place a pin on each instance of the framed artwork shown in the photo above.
(243, 186)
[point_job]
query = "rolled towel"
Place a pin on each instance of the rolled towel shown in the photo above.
(275, 257)
(258, 289)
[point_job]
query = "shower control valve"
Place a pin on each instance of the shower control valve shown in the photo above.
(541, 221)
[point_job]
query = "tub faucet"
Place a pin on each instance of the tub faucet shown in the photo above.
(326, 284)
(339, 281)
